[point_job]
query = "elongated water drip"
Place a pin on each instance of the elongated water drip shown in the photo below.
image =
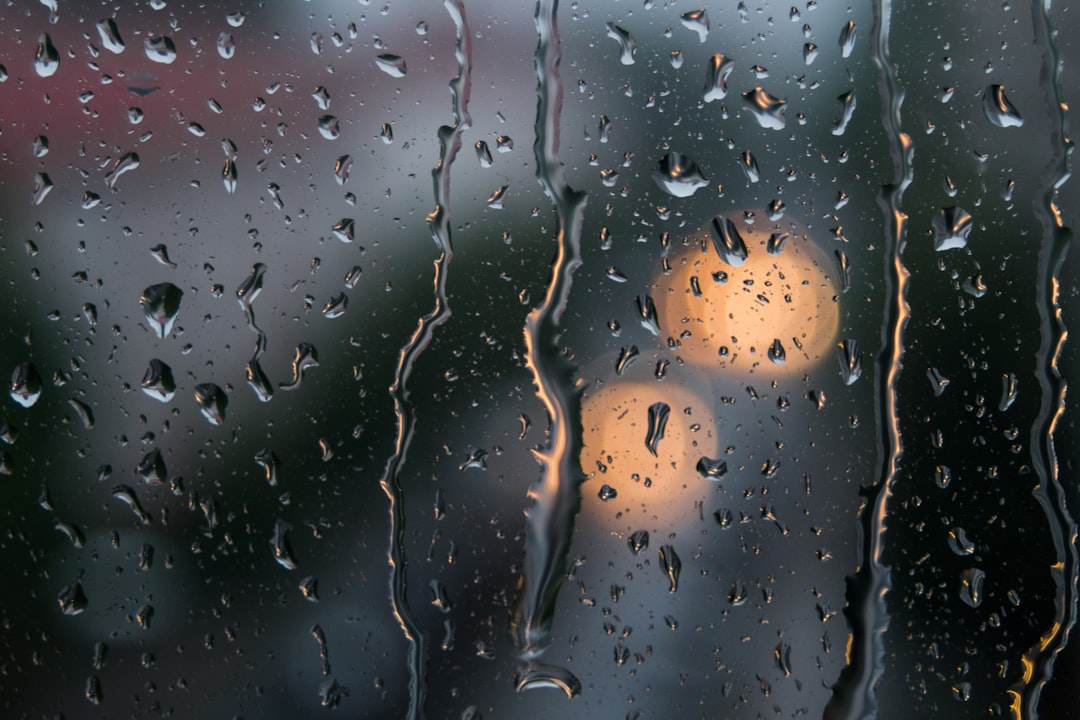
(404, 410)
(556, 494)
(855, 696)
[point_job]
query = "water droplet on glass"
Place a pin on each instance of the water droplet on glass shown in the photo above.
(971, 586)
(678, 175)
(392, 65)
(942, 476)
(25, 388)
(160, 49)
(212, 402)
(258, 381)
(627, 44)
(158, 381)
(997, 108)
(235, 19)
(850, 360)
(336, 306)
(776, 352)
(698, 21)
(483, 154)
(538, 675)
(309, 588)
(46, 58)
(126, 495)
(92, 690)
(345, 230)
(161, 304)
(775, 244)
(959, 542)
(86, 415)
(847, 38)
(152, 468)
(951, 226)
(226, 46)
(749, 166)
(386, 132)
(72, 599)
(607, 493)
(671, 565)
(228, 176)
(627, 356)
(329, 127)
(304, 358)
(646, 313)
(497, 198)
(42, 185)
(110, 36)
(1010, 386)
(847, 109)
(126, 163)
(810, 53)
(727, 241)
(279, 544)
(658, 417)
(41, 146)
(937, 381)
(769, 110)
(711, 468)
(638, 541)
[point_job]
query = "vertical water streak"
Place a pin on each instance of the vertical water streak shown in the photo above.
(1038, 661)
(555, 495)
(855, 694)
(404, 410)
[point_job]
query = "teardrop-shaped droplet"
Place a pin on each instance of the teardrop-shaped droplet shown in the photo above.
(160, 49)
(392, 65)
(846, 110)
(256, 378)
(25, 388)
(72, 599)
(226, 46)
(698, 21)
(252, 286)
(279, 544)
(671, 565)
(678, 175)
(212, 402)
(646, 313)
(158, 381)
(126, 163)
(998, 110)
(971, 587)
(46, 58)
(110, 36)
(228, 176)
(749, 166)
(716, 76)
(769, 110)
(342, 167)
(848, 36)
(329, 127)
(1010, 387)
(775, 244)
(658, 417)
(483, 154)
(711, 468)
(729, 244)
(638, 541)
(850, 360)
(305, 357)
(336, 306)
(776, 352)
(951, 226)
(627, 44)
(161, 305)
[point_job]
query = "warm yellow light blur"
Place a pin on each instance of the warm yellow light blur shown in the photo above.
(729, 317)
(653, 492)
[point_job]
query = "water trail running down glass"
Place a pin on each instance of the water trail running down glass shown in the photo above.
(556, 494)
(1050, 493)
(404, 410)
(854, 696)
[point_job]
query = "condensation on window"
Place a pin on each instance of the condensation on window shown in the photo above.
(587, 359)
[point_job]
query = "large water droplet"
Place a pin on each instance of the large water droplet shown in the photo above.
(728, 243)
(212, 402)
(329, 127)
(627, 44)
(671, 565)
(72, 599)
(46, 58)
(951, 226)
(161, 304)
(658, 417)
(698, 21)
(847, 38)
(646, 313)
(279, 544)
(304, 358)
(26, 385)
(971, 586)
(850, 360)
(538, 675)
(392, 65)
(110, 36)
(846, 110)
(158, 381)
(638, 541)
(126, 163)
(998, 109)
(770, 111)
(711, 468)
(160, 49)
(679, 175)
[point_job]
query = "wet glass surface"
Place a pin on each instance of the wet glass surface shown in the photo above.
(615, 359)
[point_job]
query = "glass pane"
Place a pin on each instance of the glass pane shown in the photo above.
(618, 359)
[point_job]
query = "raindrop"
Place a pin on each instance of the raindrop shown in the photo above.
(538, 675)
(46, 58)
(25, 388)
(305, 357)
(40, 146)
(335, 307)
(776, 210)
(727, 241)
(92, 690)
(951, 226)
(847, 38)
(937, 381)
(342, 167)
(110, 36)
(974, 286)
(770, 111)
(86, 415)
(748, 165)
(847, 109)
(268, 461)
(226, 46)
(776, 352)
(638, 541)
(646, 313)
(212, 402)
(959, 542)
(258, 381)
(158, 381)
(161, 254)
(228, 176)
(850, 361)
(775, 244)
(329, 127)
(712, 469)
(160, 49)
(627, 44)
(152, 468)
(279, 544)
(42, 185)
(671, 565)
(698, 21)
(392, 65)
(605, 128)
(309, 588)
(942, 476)
(497, 198)
(483, 154)
(126, 495)
(810, 53)
(999, 111)
(627, 356)
(679, 175)
(1010, 386)
(386, 132)
(971, 586)
(843, 266)
(607, 493)
(658, 417)
(126, 163)
(345, 230)
(161, 304)
(72, 599)
(322, 97)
